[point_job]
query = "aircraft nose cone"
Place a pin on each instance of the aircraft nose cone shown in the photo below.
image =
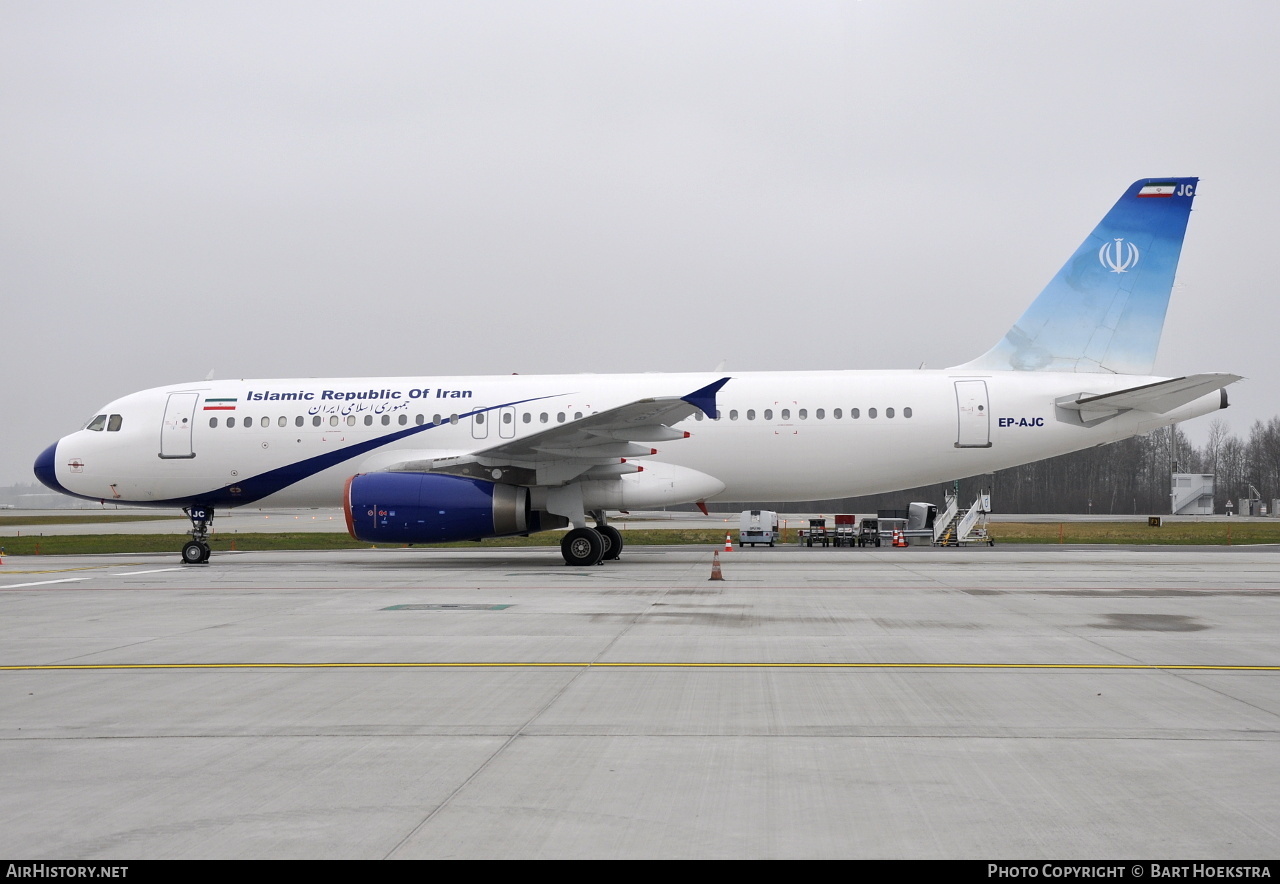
(45, 471)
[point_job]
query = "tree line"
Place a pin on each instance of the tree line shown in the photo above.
(1130, 477)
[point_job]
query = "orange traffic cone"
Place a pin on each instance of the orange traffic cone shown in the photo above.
(715, 566)
(728, 543)
(898, 539)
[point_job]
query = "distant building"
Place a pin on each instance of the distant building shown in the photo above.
(1192, 494)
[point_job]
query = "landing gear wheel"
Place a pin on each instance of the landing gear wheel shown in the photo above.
(582, 546)
(613, 542)
(194, 553)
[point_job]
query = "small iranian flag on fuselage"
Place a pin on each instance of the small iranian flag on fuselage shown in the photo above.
(219, 405)
(1158, 188)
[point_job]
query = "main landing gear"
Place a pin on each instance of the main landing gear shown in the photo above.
(196, 550)
(592, 546)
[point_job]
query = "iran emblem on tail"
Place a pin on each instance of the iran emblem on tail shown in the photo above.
(1119, 256)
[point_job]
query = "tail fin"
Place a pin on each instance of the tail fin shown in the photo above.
(1104, 311)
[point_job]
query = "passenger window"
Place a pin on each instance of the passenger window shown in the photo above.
(297, 421)
(699, 416)
(888, 412)
(577, 415)
(453, 418)
(733, 414)
(113, 423)
(419, 420)
(333, 420)
(368, 420)
(768, 414)
(854, 413)
(265, 422)
(231, 422)
(213, 421)
(506, 418)
(351, 420)
(906, 412)
(560, 417)
(437, 419)
(835, 414)
(786, 414)
(315, 421)
(871, 413)
(751, 414)
(284, 421)
(819, 414)
(386, 420)
(526, 417)
(97, 423)
(480, 418)
(804, 414)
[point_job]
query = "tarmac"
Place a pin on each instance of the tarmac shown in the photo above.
(1014, 702)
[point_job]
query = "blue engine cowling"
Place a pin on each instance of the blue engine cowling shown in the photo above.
(434, 508)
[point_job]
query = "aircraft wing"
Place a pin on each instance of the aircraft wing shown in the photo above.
(1157, 398)
(596, 444)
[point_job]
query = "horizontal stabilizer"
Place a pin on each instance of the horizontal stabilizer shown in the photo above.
(1157, 398)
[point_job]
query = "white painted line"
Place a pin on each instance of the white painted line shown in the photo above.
(43, 582)
(135, 573)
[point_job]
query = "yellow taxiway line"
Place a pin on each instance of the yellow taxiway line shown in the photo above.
(520, 665)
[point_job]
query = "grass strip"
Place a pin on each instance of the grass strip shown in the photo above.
(1126, 533)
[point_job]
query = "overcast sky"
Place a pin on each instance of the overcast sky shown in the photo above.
(426, 188)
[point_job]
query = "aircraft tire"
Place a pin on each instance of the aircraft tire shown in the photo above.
(194, 553)
(613, 540)
(582, 546)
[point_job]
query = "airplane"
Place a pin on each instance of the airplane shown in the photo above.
(437, 459)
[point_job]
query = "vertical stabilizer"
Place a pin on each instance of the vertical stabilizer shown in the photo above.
(1104, 310)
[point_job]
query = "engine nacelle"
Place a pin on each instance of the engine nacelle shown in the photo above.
(434, 508)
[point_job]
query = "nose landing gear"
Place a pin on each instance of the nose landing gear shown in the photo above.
(196, 550)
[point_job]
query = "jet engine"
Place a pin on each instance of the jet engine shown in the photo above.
(435, 508)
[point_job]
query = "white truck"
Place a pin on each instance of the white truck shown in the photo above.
(758, 526)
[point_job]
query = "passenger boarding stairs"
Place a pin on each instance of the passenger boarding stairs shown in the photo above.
(955, 528)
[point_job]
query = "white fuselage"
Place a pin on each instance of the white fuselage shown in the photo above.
(779, 436)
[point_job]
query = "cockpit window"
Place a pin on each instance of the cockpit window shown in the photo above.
(113, 423)
(97, 423)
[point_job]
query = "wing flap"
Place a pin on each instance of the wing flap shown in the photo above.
(562, 453)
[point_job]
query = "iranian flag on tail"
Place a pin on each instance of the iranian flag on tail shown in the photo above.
(1158, 188)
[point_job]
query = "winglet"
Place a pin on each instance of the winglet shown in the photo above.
(705, 399)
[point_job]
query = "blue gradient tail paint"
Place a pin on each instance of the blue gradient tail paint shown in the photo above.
(1105, 309)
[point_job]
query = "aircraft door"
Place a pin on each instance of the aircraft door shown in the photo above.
(179, 419)
(507, 422)
(480, 425)
(974, 415)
